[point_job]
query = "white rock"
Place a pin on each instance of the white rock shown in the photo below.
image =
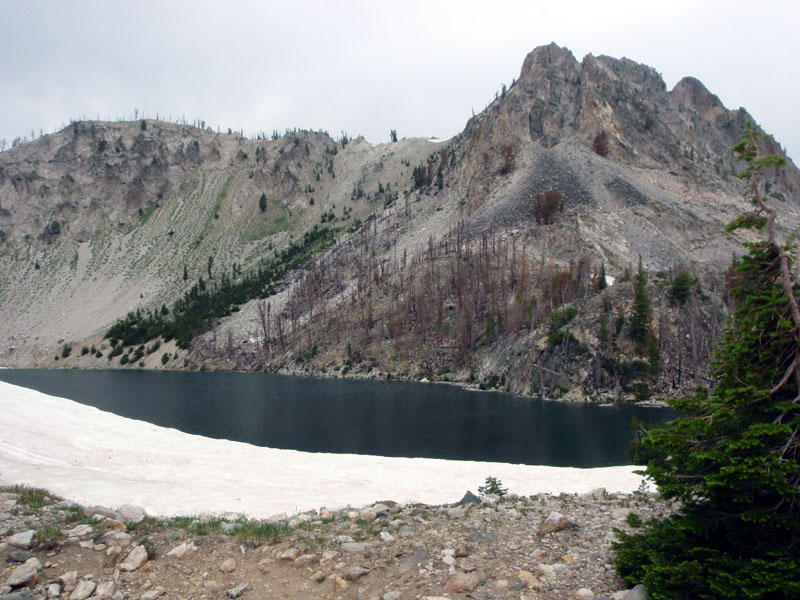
(386, 536)
(54, 590)
(34, 563)
(69, 579)
(136, 558)
(584, 594)
(83, 590)
(105, 589)
(181, 549)
(79, 531)
(130, 513)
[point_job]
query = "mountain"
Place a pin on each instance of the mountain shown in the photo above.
(475, 259)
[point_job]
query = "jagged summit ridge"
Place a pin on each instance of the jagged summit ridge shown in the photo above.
(105, 218)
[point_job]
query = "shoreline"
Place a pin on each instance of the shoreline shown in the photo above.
(93, 457)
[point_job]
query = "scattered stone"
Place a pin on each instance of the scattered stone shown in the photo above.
(546, 571)
(466, 565)
(105, 589)
(119, 538)
(130, 513)
(529, 579)
(54, 590)
(555, 521)
(238, 590)
(305, 559)
(636, 593)
(136, 558)
(290, 554)
(339, 584)
(354, 547)
(469, 498)
(228, 565)
(230, 528)
(80, 531)
(482, 536)
(386, 536)
(412, 561)
(110, 523)
(584, 594)
(83, 590)
(20, 595)
(366, 514)
(392, 595)
(22, 540)
(461, 583)
(620, 513)
(22, 575)
(181, 550)
(355, 573)
(68, 579)
(18, 556)
(153, 594)
(318, 576)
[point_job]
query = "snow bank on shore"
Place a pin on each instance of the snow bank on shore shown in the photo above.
(93, 457)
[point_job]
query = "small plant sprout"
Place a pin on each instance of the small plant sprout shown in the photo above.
(493, 487)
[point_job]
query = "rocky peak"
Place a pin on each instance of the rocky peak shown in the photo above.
(690, 93)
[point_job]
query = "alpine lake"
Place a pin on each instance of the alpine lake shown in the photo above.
(384, 418)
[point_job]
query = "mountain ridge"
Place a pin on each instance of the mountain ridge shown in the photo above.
(641, 171)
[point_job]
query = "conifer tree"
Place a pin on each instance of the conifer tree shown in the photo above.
(639, 327)
(734, 459)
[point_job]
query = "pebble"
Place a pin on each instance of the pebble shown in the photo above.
(523, 548)
(228, 565)
(238, 590)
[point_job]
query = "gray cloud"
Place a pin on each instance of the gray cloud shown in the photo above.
(366, 67)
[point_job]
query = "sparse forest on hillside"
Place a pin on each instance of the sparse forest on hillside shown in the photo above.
(569, 242)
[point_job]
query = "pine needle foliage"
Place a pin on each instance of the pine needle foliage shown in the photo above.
(734, 459)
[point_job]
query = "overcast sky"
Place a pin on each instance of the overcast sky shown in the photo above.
(420, 67)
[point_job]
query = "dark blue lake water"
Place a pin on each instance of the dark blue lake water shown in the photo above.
(386, 418)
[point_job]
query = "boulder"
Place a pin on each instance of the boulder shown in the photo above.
(136, 559)
(23, 540)
(130, 513)
(23, 575)
(83, 590)
(461, 583)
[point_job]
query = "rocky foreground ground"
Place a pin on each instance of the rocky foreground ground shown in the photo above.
(538, 547)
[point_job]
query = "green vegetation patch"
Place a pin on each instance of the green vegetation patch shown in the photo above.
(193, 313)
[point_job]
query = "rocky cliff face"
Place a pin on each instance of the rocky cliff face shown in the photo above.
(458, 264)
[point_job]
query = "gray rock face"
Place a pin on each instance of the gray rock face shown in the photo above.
(19, 556)
(20, 595)
(469, 498)
(22, 540)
